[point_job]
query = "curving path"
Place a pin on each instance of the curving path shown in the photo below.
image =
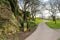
(43, 32)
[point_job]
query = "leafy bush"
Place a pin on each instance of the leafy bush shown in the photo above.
(31, 25)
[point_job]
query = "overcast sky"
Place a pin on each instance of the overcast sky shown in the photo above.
(45, 12)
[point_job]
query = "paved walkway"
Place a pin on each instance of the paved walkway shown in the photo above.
(43, 32)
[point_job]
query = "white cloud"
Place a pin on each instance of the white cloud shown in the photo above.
(46, 11)
(45, 0)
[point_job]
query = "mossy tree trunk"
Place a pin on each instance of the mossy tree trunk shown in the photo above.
(14, 6)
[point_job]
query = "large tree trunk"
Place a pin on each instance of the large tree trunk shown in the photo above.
(14, 6)
(25, 10)
(54, 19)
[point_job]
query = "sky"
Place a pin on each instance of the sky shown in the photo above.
(45, 0)
(45, 12)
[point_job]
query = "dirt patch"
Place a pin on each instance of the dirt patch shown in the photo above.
(22, 35)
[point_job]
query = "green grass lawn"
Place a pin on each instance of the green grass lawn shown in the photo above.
(52, 25)
(38, 20)
(59, 39)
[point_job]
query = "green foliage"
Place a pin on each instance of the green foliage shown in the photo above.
(3, 37)
(20, 12)
(38, 20)
(8, 28)
(8, 37)
(6, 3)
(8, 22)
(52, 25)
(0, 1)
(31, 25)
(14, 6)
(27, 13)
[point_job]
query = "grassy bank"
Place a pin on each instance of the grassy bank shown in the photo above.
(52, 25)
(38, 20)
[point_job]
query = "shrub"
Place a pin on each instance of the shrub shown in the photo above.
(31, 25)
